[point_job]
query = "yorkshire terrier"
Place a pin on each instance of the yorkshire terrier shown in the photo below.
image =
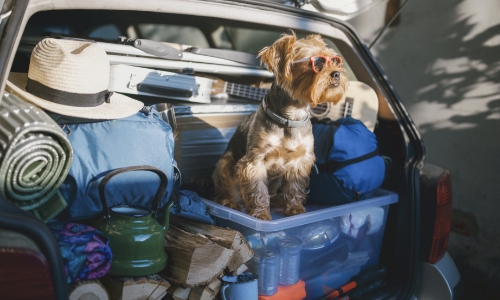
(269, 158)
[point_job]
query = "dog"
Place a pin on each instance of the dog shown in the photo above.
(269, 158)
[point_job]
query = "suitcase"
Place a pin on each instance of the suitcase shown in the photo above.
(162, 84)
(192, 60)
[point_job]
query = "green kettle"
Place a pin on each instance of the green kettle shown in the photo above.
(136, 237)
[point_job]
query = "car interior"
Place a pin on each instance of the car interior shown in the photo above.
(203, 128)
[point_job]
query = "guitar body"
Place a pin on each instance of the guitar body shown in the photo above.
(364, 106)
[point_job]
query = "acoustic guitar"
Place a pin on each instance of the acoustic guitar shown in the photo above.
(359, 102)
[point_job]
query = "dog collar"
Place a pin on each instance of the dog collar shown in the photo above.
(284, 121)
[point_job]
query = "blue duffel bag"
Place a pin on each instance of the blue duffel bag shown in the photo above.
(100, 147)
(348, 164)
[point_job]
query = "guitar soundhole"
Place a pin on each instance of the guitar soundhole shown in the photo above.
(321, 110)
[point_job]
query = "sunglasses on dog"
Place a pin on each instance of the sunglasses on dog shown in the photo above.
(318, 62)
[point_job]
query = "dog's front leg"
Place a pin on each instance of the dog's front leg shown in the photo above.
(295, 183)
(252, 175)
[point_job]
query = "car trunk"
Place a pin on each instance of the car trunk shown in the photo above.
(203, 130)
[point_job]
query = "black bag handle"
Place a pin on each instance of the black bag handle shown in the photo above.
(159, 194)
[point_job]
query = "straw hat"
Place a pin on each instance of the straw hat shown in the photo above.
(71, 77)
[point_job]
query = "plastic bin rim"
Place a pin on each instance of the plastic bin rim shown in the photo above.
(382, 197)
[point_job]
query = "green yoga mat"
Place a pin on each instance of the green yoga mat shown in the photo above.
(35, 157)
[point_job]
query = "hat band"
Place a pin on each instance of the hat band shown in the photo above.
(66, 98)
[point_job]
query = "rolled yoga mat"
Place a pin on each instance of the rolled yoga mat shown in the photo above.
(35, 157)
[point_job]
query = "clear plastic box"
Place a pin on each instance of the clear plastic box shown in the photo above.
(337, 241)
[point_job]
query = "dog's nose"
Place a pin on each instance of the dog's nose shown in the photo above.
(335, 75)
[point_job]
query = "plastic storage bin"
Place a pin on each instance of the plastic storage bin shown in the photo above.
(337, 241)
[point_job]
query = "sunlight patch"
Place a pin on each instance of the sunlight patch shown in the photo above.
(427, 89)
(451, 66)
(429, 116)
(480, 17)
(494, 116)
(485, 90)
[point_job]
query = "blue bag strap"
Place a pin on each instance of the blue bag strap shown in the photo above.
(332, 166)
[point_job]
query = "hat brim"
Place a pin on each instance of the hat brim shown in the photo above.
(119, 106)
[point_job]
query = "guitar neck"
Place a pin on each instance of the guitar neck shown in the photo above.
(348, 105)
(239, 90)
(343, 110)
(245, 91)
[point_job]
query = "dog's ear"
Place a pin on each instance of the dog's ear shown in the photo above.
(278, 57)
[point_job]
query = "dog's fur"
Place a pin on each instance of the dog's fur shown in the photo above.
(267, 163)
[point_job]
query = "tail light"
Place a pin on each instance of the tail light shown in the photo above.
(442, 223)
(24, 273)
(436, 212)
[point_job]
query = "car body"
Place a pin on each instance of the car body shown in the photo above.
(414, 248)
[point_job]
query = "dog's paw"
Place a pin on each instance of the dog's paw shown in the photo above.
(231, 204)
(263, 215)
(294, 210)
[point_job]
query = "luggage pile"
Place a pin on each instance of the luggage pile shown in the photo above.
(125, 228)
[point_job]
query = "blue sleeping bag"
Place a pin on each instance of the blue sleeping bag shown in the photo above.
(348, 164)
(99, 147)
